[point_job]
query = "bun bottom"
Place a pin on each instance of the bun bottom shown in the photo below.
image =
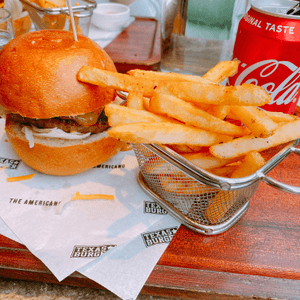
(62, 157)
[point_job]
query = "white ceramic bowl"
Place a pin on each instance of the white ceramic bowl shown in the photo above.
(111, 16)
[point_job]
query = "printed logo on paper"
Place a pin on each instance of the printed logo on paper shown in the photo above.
(151, 207)
(106, 166)
(10, 163)
(44, 203)
(162, 236)
(90, 251)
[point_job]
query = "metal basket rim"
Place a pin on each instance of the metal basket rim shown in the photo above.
(92, 4)
(215, 181)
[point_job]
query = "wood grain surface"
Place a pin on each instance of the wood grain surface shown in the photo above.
(138, 46)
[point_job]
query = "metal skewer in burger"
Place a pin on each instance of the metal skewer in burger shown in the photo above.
(54, 122)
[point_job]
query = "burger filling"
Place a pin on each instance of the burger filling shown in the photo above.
(73, 127)
(65, 127)
(94, 122)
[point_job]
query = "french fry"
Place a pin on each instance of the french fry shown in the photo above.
(119, 81)
(225, 171)
(245, 94)
(197, 148)
(260, 124)
(251, 163)
(169, 76)
(231, 116)
(224, 200)
(55, 3)
(219, 111)
(158, 168)
(221, 71)
(119, 115)
(279, 117)
(205, 160)
(284, 133)
(185, 148)
(203, 106)
(54, 22)
(126, 147)
(146, 103)
(190, 115)
(135, 100)
(41, 3)
(276, 116)
(219, 206)
(165, 133)
(22, 24)
(179, 183)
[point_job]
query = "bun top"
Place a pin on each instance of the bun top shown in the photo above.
(38, 75)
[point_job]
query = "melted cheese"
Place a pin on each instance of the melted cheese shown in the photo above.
(78, 196)
(20, 178)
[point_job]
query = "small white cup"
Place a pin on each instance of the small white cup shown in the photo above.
(111, 16)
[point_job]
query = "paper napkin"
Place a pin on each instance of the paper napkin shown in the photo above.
(62, 241)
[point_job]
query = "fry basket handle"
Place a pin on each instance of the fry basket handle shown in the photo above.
(282, 186)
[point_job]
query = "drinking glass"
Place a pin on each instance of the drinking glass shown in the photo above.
(6, 27)
(173, 17)
(196, 35)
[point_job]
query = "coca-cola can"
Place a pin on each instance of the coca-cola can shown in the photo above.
(268, 48)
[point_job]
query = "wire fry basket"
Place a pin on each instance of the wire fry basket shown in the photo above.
(59, 17)
(204, 202)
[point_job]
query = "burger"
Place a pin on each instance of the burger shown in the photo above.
(55, 123)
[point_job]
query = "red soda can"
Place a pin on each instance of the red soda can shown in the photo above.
(268, 48)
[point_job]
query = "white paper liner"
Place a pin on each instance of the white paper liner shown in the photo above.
(131, 264)
(6, 231)
(85, 229)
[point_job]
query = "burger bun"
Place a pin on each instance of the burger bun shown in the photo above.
(38, 80)
(56, 156)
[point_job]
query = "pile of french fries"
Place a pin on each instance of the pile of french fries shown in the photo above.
(50, 3)
(220, 129)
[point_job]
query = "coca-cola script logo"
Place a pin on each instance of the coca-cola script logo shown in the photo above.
(279, 78)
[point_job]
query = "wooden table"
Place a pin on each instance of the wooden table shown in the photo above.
(138, 46)
(258, 257)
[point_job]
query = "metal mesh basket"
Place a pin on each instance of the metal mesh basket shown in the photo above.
(59, 18)
(206, 203)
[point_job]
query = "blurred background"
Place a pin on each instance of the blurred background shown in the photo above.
(210, 19)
